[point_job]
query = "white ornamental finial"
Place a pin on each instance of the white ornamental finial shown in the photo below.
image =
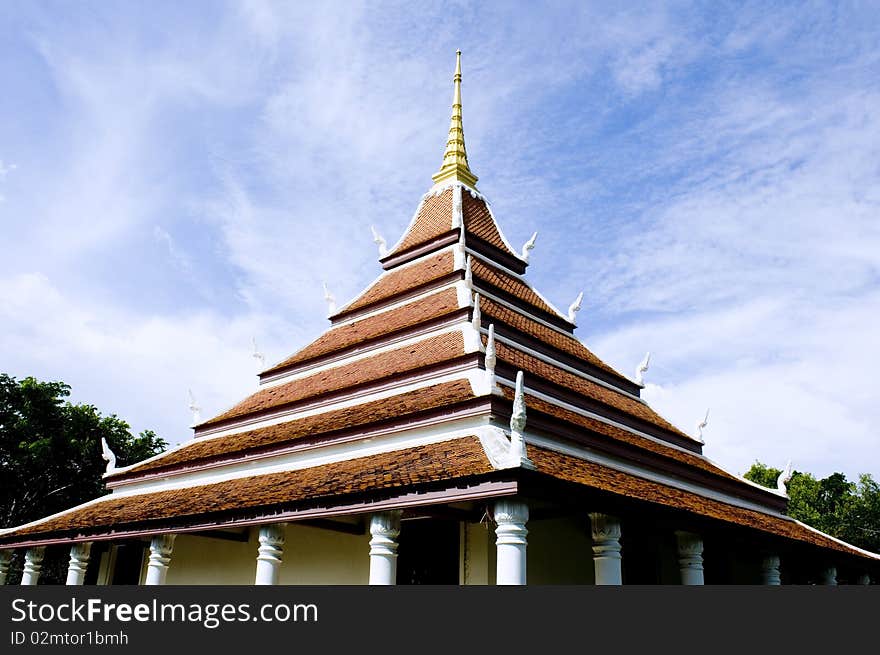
(700, 425)
(783, 479)
(194, 408)
(575, 307)
(468, 273)
(518, 418)
(108, 456)
(477, 320)
(457, 215)
(331, 301)
(379, 241)
(490, 351)
(256, 354)
(529, 246)
(642, 369)
(518, 424)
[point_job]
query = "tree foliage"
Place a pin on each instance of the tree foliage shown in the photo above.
(50, 449)
(846, 510)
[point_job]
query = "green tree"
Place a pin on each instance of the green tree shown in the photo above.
(50, 451)
(834, 505)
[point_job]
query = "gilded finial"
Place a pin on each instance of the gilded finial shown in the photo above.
(455, 163)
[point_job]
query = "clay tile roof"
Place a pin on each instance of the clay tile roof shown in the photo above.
(511, 285)
(453, 459)
(559, 341)
(402, 279)
(433, 219)
(538, 405)
(436, 305)
(479, 222)
(573, 469)
(538, 368)
(421, 354)
(323, 426)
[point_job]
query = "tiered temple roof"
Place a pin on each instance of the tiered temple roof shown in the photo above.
(405, 401)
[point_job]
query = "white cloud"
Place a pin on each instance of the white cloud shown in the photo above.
(730, 227)
(138, 367)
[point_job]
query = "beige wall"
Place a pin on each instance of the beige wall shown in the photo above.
(477, 554)
(311, 556)
(204, 560)
(316, 556)
(559, 552)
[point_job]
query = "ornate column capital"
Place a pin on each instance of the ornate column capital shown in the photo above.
(508, 510)
(690, 557)
(5, 559)
(271, 540)
(605, 532)
(511, 543)
(690, 546)
(33, 565)
(829, 575)
(79, 562)
(269, 553)
(770, 570)
(384, 531)
(511, 517)
(161, 548)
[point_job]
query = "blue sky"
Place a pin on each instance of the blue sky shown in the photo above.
(177, 178)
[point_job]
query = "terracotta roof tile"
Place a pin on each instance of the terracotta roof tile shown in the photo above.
(556, 375)
(339, 338)
(401, 279)
(434, 218)
(448, 460)
(479, 222)
(511, 285)
(426, 352)
(457, 458)
(567, 344)
(327, 423)
(618, 434)
(573, 469)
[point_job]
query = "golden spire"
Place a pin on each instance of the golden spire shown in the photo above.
(455, 163)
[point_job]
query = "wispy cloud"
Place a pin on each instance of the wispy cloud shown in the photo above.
(707, 175)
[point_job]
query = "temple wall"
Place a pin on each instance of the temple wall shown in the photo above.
(317, 556)
(202, 561)
(559, 552)
(311, 556)
(478, 554)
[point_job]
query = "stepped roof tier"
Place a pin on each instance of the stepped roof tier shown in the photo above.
(408, 400)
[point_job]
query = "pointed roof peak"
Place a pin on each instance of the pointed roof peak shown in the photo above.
(455, 163)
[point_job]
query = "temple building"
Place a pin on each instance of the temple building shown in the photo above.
(447, 428)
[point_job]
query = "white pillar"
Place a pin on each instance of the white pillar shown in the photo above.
(79, 562)
(864, 578)
(384, 530)
(160, 557)
(33, 564)
(605, 531)
(269, 554)
(5, 559)
(511, 517)
(690, 557)
(770, 570)
(829, 576)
